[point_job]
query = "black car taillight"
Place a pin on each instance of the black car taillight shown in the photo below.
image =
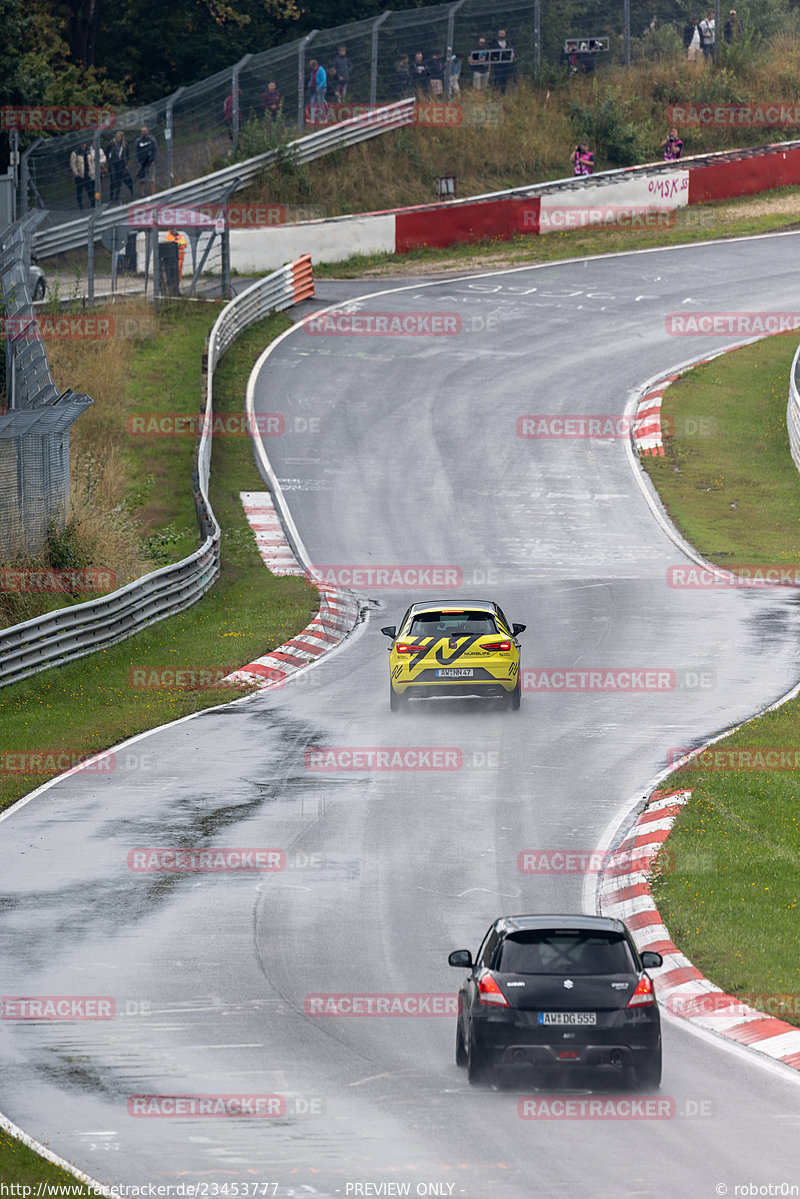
(645, 992)
(489, 992)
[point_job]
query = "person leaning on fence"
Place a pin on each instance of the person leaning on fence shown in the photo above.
(672, 146)
(479, 61)
(117, 159)
(692, 40)
(81, 163)
(456, 63)
(317, 86)
(145, 152)
(227, 111)
(343, 69)
(271, 100)
(708, 34)
(582, 159)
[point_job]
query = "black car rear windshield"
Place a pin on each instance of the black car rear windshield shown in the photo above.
(465, 623)
(556, 952)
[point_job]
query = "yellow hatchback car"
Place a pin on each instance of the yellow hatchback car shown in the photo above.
(451, 648)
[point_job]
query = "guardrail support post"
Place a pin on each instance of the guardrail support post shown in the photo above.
(301, 78)
(235, 96)
(373, 69)
(168, 134)
(225, 241)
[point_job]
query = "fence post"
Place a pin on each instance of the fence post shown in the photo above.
(373, 68)
(301, 78)
(235, 96)
(537, 36)
(448, 54)
(717, 31)
(24, 177)
(627, 20)
(90, 246)
(168, 134)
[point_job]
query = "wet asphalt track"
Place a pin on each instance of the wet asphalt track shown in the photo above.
(403, 451)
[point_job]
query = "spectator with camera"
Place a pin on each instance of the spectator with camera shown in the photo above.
(582, 159)
(672, 146)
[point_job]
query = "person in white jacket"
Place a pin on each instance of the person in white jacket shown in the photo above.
(82, 165)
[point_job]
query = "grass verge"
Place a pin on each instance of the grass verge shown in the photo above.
(22, 1166)
(729, 484)
(82, 707)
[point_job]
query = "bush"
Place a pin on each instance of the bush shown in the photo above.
(609, 127)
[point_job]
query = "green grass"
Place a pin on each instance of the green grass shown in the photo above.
(730, 485)
(22, 1166)
(90, 704)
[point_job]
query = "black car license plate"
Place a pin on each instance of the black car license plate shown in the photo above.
(568, 1018)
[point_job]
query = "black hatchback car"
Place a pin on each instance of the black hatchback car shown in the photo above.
(560, 996)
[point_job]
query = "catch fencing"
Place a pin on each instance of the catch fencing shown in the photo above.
(34, 429)
(194, 136)
(71, 633)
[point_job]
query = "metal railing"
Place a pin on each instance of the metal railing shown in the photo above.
(72, 235)
(73, 632)
(793, 409)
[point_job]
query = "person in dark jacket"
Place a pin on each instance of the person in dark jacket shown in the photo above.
(503, 71)
(117, 160)
(420, 76)
(732, 27)
(402, 76)
(145, 152)
(342, 69)
(271, 100)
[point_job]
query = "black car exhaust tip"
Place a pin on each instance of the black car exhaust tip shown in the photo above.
(616, 1057)
(519, 1056)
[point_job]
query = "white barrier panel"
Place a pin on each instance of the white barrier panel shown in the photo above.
(254, 251)
(612, 203)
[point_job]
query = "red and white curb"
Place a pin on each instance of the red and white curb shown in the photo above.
(338, 612)
(646, 428)
(625, 893)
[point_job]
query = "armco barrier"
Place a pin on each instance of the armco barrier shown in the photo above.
(70, 633)
(503, 214)
(72, 235)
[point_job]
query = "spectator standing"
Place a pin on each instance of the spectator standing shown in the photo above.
(503, 71)
(117, 159)
(708, 34)
(420, 75)
(175, 235)
(479, 61)
(271, 100)
(402, 76)
(436, 72)
(317, 87)
(82, 165)
(582, 159)
(732, 27)
(692, 40)
(145, 152)
(343, 68)
(456, 63)
(672, 146)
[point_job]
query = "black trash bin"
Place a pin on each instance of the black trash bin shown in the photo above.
(168, 278)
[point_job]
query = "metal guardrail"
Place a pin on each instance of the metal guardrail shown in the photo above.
(73, 632)
(73, 234)
(793, 409)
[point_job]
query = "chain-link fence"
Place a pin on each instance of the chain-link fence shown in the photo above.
(200, 127)
(34, 429)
